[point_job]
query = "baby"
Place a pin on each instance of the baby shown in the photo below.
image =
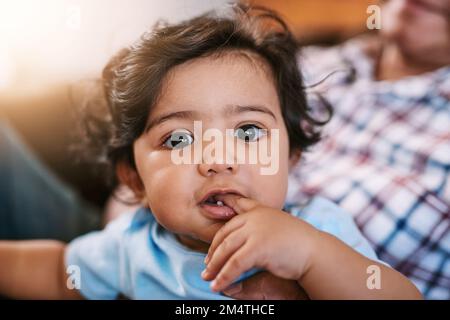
(212, 222)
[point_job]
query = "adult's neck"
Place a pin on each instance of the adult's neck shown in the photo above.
(394, 64)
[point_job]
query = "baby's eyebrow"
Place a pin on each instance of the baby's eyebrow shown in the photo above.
(188, 114)
(236, 109)
(191, 115)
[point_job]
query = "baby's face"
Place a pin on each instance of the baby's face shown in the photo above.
(229, 92)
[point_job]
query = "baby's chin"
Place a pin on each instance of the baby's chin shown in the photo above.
(207, 236)
(193, 243)
(200, 241)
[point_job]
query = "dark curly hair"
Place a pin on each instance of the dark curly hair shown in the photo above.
(133, 78)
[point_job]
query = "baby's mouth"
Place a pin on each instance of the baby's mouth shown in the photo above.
(216, 209)
(213, 201)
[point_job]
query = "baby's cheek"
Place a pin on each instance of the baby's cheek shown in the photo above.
(167, 210)
(271, 190)
(168, 197)
(276, 199)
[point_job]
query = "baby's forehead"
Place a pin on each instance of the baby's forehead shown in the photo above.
(245, 56)
(242, 61)
(212, 82)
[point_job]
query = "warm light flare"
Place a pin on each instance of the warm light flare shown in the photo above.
(45, 42)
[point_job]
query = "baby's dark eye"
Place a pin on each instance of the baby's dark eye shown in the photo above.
(250, 132)
(178, 140)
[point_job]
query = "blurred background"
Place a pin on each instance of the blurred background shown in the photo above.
(47, 47)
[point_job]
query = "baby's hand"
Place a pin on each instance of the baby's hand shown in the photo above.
(260, 237)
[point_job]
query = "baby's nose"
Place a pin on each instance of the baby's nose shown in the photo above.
(216, 168)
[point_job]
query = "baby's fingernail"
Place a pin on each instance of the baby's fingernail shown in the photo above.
(206, 259)
(204, 273)
(233, 289)
(213, 285)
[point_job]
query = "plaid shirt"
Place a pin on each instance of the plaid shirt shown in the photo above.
(385, 158)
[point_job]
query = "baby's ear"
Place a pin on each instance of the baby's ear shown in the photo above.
(130, 177)
(294, 158)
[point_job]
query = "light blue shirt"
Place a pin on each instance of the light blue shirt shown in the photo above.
(136, 257)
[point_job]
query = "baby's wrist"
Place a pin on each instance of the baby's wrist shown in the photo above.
(313, 248)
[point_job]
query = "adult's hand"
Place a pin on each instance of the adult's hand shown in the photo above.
(266, 286)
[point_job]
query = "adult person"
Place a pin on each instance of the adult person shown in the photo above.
(34, 202)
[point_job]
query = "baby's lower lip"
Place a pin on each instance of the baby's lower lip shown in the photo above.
(218, 212)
